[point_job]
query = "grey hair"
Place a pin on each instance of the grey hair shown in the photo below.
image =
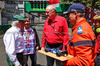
(14, 23)
(52, 7)
(82, 14)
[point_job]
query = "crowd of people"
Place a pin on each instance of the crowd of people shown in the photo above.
(83, 44)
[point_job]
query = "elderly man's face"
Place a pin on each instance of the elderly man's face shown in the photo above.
(71, 17)
(22, 24)
(49, 13)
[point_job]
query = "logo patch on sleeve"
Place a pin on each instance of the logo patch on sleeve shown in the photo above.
(79, 30)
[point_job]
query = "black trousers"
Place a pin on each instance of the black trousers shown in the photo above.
(20, 58)
(97, 60)
(50, 61)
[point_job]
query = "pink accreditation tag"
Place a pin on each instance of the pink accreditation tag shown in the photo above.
(27, 42)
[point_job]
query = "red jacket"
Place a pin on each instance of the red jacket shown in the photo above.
(82, 45)
(56, 33)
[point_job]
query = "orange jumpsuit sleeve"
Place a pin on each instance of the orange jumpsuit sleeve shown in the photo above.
(83, 57)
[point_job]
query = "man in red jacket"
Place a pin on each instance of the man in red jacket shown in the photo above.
(55, 33)
(82, 42)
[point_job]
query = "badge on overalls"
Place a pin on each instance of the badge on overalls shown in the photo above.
(79, 30)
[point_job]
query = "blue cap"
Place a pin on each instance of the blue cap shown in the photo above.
(18, 17)
(76, 7)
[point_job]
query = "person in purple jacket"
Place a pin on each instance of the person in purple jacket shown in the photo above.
(31, 43)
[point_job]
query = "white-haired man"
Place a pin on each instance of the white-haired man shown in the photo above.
(14, 42)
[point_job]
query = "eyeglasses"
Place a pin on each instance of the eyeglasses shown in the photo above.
(48, 11)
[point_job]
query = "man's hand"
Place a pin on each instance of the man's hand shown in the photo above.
(37, 48)
(20, 65)
(42, 48)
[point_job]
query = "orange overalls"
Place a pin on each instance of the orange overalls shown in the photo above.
(82, 45)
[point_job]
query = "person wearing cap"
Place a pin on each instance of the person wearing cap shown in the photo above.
(55, 33)
(31, 43)
(82, 45)
(96, 23)
(14, 42)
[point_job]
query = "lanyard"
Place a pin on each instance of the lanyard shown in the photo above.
(27, 38)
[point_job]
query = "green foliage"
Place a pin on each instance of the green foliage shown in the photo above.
(97, 2)
(87, 3)
(61, 14)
